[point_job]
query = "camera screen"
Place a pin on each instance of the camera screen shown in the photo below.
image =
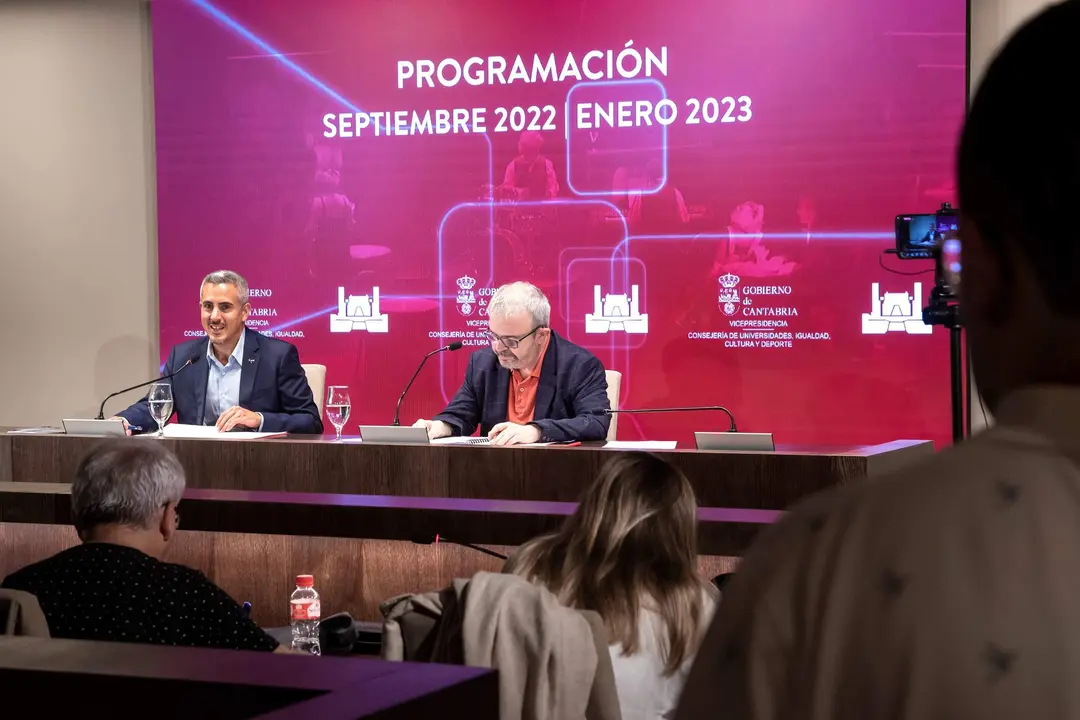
(917, 235)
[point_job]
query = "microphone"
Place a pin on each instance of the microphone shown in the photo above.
(436, 539)
(694, 408)
(451, 348)
(170, 376)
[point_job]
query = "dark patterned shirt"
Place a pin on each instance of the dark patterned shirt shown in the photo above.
(100, 591)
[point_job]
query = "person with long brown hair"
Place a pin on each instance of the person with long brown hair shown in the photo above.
(629, 553)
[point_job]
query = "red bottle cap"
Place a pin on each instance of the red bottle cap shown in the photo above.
(305, 581)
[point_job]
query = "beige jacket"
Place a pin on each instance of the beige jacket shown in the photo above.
(544, 652)
(950, 589)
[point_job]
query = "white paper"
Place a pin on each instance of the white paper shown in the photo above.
(36, 431)
(210, 432)
(641, 444)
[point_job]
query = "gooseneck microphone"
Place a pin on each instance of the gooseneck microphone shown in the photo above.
(170, 376)
(448, 348)
(436, 539)
(694, 408)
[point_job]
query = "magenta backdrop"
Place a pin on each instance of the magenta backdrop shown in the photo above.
(752, 286)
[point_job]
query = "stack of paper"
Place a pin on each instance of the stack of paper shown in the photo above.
(209, 432)
(641, 444)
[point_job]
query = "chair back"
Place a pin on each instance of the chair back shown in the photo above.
(316, 378)
(20, 614)
(614, 386)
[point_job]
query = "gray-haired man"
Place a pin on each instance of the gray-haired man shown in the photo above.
(532, 385)
(114, 586)
(239, 379)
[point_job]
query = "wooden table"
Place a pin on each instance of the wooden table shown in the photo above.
(257, 513)
(69, 678)
(720, 479)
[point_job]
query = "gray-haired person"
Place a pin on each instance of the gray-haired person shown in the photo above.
(239, 379)
(114, 585)
(531, 385)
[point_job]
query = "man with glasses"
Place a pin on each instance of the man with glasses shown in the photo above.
(532, 386)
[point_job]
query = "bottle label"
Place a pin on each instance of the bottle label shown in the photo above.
(305, 609)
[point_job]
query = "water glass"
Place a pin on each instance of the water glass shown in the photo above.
(338, 406)
(160, 399)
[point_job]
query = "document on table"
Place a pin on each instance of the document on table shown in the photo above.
(458, 440)
(641, 444)
(36, 431)
(209, 432)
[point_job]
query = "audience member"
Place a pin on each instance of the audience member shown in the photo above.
(949, 589)
(114, 586)
(629, 553)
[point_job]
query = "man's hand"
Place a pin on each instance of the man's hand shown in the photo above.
(508, 433)
(237, 416)
(127, 425)
(435, 428)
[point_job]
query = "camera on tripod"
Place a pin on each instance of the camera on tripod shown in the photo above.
(935, 236)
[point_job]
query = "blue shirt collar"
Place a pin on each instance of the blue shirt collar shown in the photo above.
(237, 353)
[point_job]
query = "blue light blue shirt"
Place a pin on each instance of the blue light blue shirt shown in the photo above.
(223, 383)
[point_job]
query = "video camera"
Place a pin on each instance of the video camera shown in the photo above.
(933, 236)
(937, 237)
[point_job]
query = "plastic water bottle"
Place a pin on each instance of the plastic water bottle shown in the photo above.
(304, 609)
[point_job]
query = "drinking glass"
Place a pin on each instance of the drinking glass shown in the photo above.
(338, 406)
(161, 404)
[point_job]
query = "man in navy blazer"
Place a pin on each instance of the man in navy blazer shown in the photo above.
(532, 385)
(237, 378)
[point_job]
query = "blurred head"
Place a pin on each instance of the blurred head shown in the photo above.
(632, 543)
(129, 491)
(1019, 181)
(225, 308)
(529, 143)
(518, 319)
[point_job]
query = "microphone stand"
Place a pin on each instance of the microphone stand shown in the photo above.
(694, 408)
(397, 408)
(101, 408)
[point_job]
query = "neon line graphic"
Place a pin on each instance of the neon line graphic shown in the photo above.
(491, 250)
(271, 51)
(663, 139)
(283, 58)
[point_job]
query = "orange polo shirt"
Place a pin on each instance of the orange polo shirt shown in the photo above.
(521, 404)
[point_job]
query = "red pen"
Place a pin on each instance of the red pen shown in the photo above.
(567, 444)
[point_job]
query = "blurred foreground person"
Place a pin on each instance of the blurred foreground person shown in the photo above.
(949, 589)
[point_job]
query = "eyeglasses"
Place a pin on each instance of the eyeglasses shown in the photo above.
(510, 343)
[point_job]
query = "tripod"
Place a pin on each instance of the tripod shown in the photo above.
(944, 310)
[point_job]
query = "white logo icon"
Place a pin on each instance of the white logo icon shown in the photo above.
(359, 312)
(616, 312)
(895, 312)
(728, 300)
(466, 298)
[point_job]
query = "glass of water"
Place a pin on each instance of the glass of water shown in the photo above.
(161, 404)
(338, 406)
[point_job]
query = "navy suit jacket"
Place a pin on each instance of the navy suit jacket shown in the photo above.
(571, 397)
(271, 382)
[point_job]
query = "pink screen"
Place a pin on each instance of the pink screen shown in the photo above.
(707, 211)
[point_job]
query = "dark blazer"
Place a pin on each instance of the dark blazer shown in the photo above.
(571, 397)
(271, 382)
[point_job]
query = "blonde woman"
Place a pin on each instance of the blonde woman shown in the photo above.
(629, 553)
